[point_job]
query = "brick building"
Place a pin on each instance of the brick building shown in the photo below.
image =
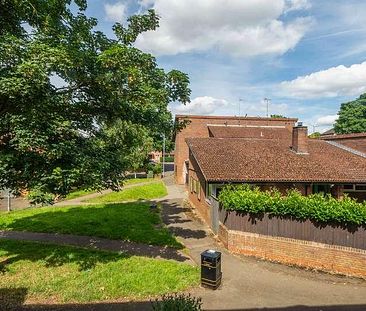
(282, 156)
(287, 161)
(199, 126)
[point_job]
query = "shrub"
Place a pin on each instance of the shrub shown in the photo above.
(317, 207)
(156, 168)
(167, 159)
(177, 302)
(37, 196)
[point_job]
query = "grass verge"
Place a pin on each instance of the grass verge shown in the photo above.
(78, 193)
(144, 192)
(131, 221)
(67, 274)
(133, 181)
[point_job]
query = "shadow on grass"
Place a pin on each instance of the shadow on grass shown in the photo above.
(131, 221)
(13, 299)
(53, 255)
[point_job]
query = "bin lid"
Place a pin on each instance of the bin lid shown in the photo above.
(211, 253)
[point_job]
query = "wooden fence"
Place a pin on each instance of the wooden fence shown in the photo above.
(332, 234)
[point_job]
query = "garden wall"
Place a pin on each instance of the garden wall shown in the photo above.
(303, 243)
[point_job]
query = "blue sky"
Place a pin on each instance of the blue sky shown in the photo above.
(307, 56)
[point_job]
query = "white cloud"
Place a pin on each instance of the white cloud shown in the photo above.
(237, 27)
(296, 5)
(326, 120)
(146, 3)
(115, 12)
(201, 105)
(332, 82)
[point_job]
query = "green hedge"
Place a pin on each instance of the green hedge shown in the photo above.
(318, 207)
(167, 159)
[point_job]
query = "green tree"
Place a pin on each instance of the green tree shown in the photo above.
(102, 116)
(315, 135)
(352, 117)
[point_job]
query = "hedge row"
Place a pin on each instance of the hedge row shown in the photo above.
(318, 207)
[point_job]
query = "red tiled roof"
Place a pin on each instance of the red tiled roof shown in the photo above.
(272, 160)
(356, 141)
(343, 136)
(250, 132)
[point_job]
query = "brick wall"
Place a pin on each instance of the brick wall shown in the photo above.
(198, 128)
(198, 198)
(330, 258)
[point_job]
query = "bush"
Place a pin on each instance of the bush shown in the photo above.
(317, 207)
(177, 302)
(167, 159)
(156, 168)
(37, 196)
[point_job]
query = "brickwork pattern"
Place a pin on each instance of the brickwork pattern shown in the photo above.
(334, 259)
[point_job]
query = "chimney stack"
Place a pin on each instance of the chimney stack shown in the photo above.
(300, 139)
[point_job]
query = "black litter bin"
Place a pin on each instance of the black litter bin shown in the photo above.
(211, 269)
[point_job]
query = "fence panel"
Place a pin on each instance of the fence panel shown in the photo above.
(332, 234)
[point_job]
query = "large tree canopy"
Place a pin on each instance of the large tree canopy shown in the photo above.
(77, 108)
(352, 117)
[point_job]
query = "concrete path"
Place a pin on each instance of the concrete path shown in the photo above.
(250, 284)
(130, 248)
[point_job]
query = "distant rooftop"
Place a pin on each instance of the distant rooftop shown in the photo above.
(188, 116)
(264, 132)
(342, 136)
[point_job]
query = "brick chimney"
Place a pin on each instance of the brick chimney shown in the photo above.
(300, 139)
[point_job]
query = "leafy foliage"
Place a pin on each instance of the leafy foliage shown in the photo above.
(177, 302)
(78, 109)
(352, 117)
(167, 159)
(315, 135)
(324, 209)
(37, 196)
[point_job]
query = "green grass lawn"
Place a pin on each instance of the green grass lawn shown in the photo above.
(78, 193)
(133, 181)
(131, 221)
(66, 274)
(149, 191)
(81, 192)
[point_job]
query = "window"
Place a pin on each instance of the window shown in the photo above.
(360, 188)
(348, 187)
(191, 184)
(198, 191)
(208, 190)
(321, 188)
(354, 188)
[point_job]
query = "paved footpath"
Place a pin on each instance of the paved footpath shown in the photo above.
(251, 284)
(248, 284)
